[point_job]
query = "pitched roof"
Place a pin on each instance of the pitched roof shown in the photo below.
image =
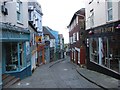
(79, 12)
(46, 32)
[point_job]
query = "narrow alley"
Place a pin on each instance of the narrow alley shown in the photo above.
(59, 75)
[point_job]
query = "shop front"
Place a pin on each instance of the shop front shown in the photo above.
(41, 54)
(104, 48)
(15, 51)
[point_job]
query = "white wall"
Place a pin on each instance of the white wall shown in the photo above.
(39, 23)
(37, 16)
(52, 42)
(33, 57)
(12, 15)
(119, 10)
(100, 12)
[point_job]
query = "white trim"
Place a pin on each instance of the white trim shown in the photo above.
(79, 57)
(78, 49)
(100, 50)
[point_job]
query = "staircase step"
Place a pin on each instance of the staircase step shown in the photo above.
(15, 80)
(4, 76)
(8, 79)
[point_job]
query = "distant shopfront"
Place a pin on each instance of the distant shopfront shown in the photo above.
(15, 51)
(104, 48)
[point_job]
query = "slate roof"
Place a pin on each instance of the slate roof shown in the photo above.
(46, 32)
(81, 12)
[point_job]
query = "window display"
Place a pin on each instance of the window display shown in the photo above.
(11, 57)
(114, 52)
(106, 51)
(15, 56)
(94, 49)
(21, 53)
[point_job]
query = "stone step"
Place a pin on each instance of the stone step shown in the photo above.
(9, 80)
(4, 76)
(15, 80)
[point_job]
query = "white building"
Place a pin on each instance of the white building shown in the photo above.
(35, 19)
(98, 12)
(103, 29)
(15, 39)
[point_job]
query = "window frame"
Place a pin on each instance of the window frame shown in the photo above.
(91, 18)
(109, 15)
(19, 11)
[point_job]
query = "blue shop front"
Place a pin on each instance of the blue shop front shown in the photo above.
(15, 51)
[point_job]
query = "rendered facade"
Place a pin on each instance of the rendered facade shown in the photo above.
(103, 31)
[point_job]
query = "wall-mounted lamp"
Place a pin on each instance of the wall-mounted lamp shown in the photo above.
(3, 8)
(91, 32)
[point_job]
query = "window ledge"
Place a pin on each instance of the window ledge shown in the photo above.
(18, 22)
(110, 21)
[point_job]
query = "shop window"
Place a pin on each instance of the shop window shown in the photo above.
(111, 52)
(11, 57)
(114, 52)
(104, 50)
(15, 56)
(22, 61)
(94, 49)
(27, 46)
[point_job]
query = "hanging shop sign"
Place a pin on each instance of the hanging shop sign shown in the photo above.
(39, 39)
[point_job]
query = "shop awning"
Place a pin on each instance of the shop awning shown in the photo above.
(10, 32)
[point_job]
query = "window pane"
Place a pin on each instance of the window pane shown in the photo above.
(18, 6)
(18, 16)
(29, 15)
(109, 4)
(110, 14)
(11, 57)
(94, 49)
(114, 52)
(92, 19)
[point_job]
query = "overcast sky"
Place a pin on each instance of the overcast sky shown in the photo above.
(57, 14)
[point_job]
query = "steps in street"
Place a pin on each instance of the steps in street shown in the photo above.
(9, 80)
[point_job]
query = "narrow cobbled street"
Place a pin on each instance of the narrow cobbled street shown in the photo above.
(59, 75)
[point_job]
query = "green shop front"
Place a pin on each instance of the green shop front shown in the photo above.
(15, 51)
